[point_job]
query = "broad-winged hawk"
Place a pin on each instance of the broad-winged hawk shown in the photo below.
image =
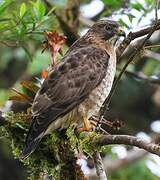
(77, 86)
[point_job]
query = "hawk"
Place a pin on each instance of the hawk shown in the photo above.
(77, 86)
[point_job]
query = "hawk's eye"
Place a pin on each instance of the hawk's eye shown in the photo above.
(108, 28)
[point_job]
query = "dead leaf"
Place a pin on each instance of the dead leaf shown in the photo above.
(54, 43)
(30, 86)
(23, 96)
(44, 74)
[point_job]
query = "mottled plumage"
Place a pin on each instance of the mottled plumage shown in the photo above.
(77, 87)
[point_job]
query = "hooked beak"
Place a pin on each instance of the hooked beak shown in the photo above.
(121, 32)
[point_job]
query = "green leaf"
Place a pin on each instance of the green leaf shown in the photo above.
(28, 53)
(149, 1)
(131, 16)
(4, 5)
(123, 23)
(138, 6)
(22, 10)
(50, 11)
(113, 3)
(40, 8)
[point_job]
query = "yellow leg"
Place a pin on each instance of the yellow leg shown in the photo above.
(87, 125)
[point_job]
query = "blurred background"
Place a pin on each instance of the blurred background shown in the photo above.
(136, 101)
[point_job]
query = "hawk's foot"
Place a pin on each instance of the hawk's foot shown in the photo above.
(87, 126)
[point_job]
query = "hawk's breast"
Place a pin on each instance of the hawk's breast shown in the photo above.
(93, 103)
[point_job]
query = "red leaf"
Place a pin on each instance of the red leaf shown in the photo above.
(54, 43)
(44, 74)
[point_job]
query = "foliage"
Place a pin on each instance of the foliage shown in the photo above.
(27, 22)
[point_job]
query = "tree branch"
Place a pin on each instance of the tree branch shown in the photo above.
(113, 165)
(128, 140)
(99, 166)
(133, 35)
(143, 77)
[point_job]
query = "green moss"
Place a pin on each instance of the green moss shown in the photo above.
(15, 129)
(56, 152)
(87, 145)
(84, 141)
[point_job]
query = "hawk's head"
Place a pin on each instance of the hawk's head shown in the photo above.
(107, 30)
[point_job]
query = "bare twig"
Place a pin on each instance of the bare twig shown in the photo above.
(99, 166)
(152, 46)
(116, 124)
(133, 35)
(86, 21)
(143, 77)
(113, 165)
(9, 44)
(128, 140)
(156, 9)
(100, 128)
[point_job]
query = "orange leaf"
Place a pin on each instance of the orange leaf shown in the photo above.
(30, 85)
(54, 43)
(24, 96)
(44, 74)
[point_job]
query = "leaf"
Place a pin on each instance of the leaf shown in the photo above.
(54, 43)
(44, 74)
(131, 16)
(4, 5)
(123, 23)
(28, 53)
(113, 3)
(138, 6)
(50, 11)
(30, 86)
(23, 96)
(20, 126)
(40, 8)
(17, 98)
(22, 10)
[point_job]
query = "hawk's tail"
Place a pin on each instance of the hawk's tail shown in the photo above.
(34, 136)
(30, 148)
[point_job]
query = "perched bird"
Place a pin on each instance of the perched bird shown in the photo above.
(77, 86)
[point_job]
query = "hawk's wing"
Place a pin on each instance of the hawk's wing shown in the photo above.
(67, 86)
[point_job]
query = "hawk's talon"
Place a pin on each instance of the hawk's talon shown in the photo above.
(84, 129)
(87, 126)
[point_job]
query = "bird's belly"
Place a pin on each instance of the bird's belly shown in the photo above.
(93, 103)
